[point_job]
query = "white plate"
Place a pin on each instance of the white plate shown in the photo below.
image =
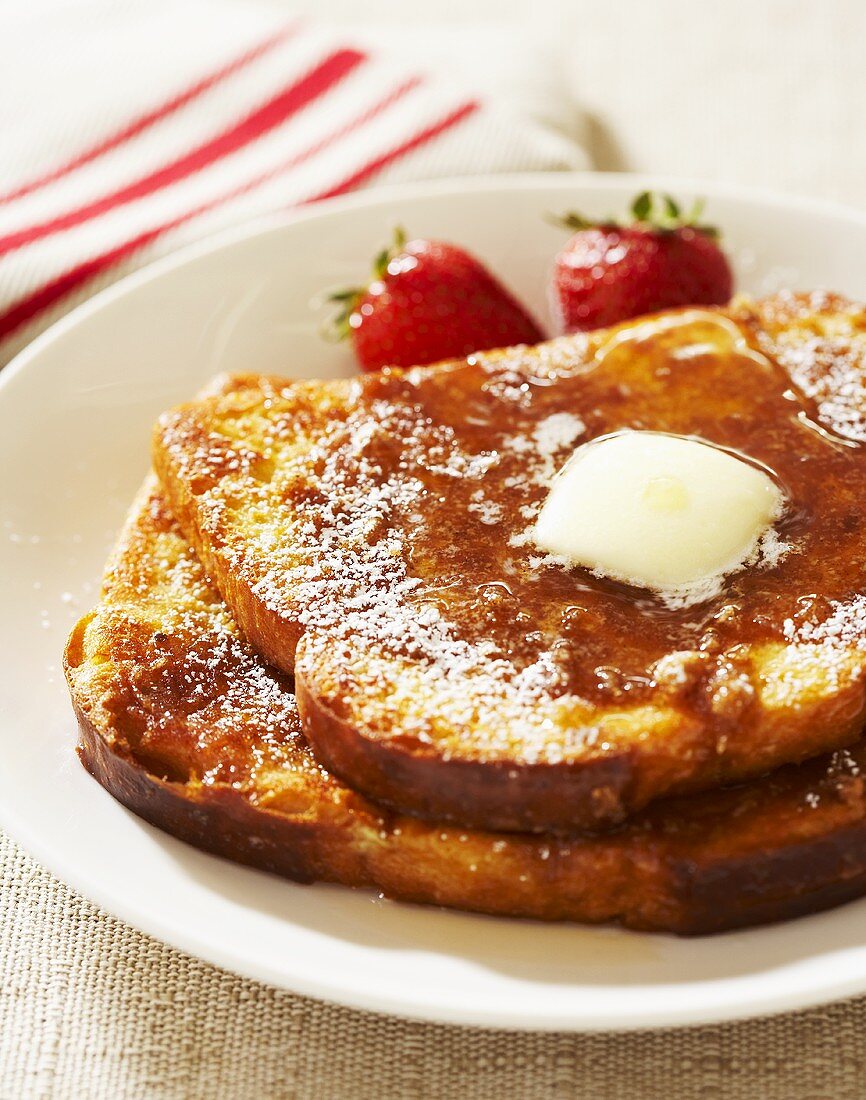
(75, 414)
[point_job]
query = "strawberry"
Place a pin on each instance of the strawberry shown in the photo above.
(608, 272)
(428, 301)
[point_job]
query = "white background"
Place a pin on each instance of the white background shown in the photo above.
(766, 92)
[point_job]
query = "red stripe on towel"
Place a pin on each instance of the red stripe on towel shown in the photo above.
(150, 118)
(378, 163)
(26, 309)
(271, 114)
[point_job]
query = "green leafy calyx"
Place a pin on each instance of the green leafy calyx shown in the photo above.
(347, 299)
(652, 210)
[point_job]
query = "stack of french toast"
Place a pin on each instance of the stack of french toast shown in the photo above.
(328, 645)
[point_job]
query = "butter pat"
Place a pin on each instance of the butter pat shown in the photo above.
(664, 512)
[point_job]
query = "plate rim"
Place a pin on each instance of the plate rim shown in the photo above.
(505, 181)
(787, 995)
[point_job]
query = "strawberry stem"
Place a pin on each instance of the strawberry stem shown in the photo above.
(339, 326)
(653, 210)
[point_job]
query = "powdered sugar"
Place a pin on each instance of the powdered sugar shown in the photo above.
(545, 448)
(543, 453)
(488, 511)
(827, 366)
(843, 628)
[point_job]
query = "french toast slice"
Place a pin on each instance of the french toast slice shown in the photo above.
(372, 536)
(182, 722)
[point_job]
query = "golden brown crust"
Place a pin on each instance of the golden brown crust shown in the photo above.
(599, 882)
(182, 722)
(468, 792)
(445, 669)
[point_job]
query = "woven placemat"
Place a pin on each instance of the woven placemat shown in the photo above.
(90, 1008)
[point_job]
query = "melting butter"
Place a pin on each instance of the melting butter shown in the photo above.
(669, 513)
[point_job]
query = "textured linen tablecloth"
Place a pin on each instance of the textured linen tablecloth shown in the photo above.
(91, 1008)
(763, 91)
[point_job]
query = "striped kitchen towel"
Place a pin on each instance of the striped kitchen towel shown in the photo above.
(129, 128)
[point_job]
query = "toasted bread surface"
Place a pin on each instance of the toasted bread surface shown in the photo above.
(372, 536)
(183, 723)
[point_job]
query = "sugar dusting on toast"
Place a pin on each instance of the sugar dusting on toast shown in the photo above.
(345, 554)
(192, 669)
(329, 489)
(841, 628)
(825, 362)
(355, 588)
(157, 593)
